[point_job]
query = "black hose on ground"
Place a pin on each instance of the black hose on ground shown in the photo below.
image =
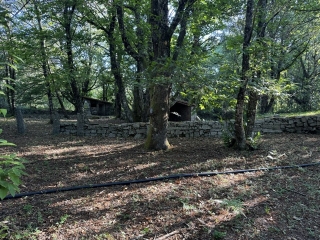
(175, 176)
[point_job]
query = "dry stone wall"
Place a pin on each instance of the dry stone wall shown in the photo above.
(310, 124)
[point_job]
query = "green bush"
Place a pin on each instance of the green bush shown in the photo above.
(11, 169)
(254, 142)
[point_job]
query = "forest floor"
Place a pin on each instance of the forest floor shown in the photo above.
(277, 204)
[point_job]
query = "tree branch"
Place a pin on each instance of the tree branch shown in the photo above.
(182, 34)
(129, 48)
(295, 57)
(177, 18)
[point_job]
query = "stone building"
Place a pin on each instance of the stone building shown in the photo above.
(98, 107)
(181, 111)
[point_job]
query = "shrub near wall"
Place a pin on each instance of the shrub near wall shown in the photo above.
(310, 124)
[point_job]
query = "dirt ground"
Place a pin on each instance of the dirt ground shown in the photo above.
(275, 204)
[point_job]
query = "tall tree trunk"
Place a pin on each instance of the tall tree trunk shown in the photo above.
(253, 95)
(139, 54)
(159, 109)
(120, 95)
(239, 130)
(159, 93)
(264, 99)
(146, 105)
(88, 65)
(75, 90)
(104, 92)
(266, 103)
(137, 109)
(7, 74)
(270, 104)
(45, 67)
(117, 105)
(63, 109)
(11, 73)
(251, 113)
(161, 34)
(121, 99)
(50, 102)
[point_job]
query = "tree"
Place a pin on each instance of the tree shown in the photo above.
(107, 23)
(137, 48)
(305, 75)
(8, 58)
(286, 43)
(44, 60)
(239, 130)
(69, 53)
(161, 35)
(68, 15)
(253, 94)
(271, 45)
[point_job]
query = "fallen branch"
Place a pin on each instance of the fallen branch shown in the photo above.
(168, 235)
(206, 224)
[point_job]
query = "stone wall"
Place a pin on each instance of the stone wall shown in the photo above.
(310, 124)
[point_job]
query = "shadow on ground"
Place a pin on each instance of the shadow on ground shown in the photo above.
(281, 204)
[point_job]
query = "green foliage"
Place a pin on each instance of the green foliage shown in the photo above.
(234, 205)
(29, 233)
(254, 142)
(217, 235)
(63, 219)
(3, 112)
(4, 16)
(3, 229)
(28, 208)
(207, 72)
(146, 230)
(11, 168)
(227, 134)
(227, 138)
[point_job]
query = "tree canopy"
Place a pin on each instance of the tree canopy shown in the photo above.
(221, 56)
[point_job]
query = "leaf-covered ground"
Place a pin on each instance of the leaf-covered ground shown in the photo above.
(278, 204)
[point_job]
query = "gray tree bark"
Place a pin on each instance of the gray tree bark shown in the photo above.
(239, 130)
(21, 127)
(253, 95)
(161, 34)
(56, 123)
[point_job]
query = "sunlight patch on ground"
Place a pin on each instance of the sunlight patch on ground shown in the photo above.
(114, 207)
(143, 166)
